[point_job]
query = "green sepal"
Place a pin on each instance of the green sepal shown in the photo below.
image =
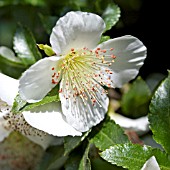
(47, 49)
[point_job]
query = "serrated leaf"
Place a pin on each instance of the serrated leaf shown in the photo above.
(109, 135)
(85, 161)
(159, 116)
(111, 16)
(135, 103)
(25, 46)
(53, 159)
(133, 156)
(70, 143)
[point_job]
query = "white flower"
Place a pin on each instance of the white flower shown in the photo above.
(81, 67)
(151, 164)
(10, 122)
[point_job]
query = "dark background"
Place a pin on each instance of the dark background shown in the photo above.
(149, 24)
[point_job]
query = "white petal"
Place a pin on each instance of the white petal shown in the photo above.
(139, 125)
(80, 112)
(76, 30)
(36, 82)
(50, 119)
(130, 54)
(8, 88)
(151, 164)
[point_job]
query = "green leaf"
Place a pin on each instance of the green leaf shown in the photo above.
(25, 46)
(45, 100)
(70, 143)
(18, 104)
(53, 159)
(52, 96)
(109, 135)
(159, 116)
(85, 161)
(135, 102)
(111, 16)
(133, 156)
(47, 49)
(21, 105)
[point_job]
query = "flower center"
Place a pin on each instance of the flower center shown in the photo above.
(83, 71)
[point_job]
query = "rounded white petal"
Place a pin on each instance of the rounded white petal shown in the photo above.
(80, 111)
(36, 82)
(49, 118)
(130, 55)
(139, 125)
(8, 89)
(76, 30)
(151, 164)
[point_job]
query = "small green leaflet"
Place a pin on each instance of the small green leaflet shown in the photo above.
(133, 156)
(135, 103)
(25, 46)
(109, 135)
(111, 16)
(159, 116)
